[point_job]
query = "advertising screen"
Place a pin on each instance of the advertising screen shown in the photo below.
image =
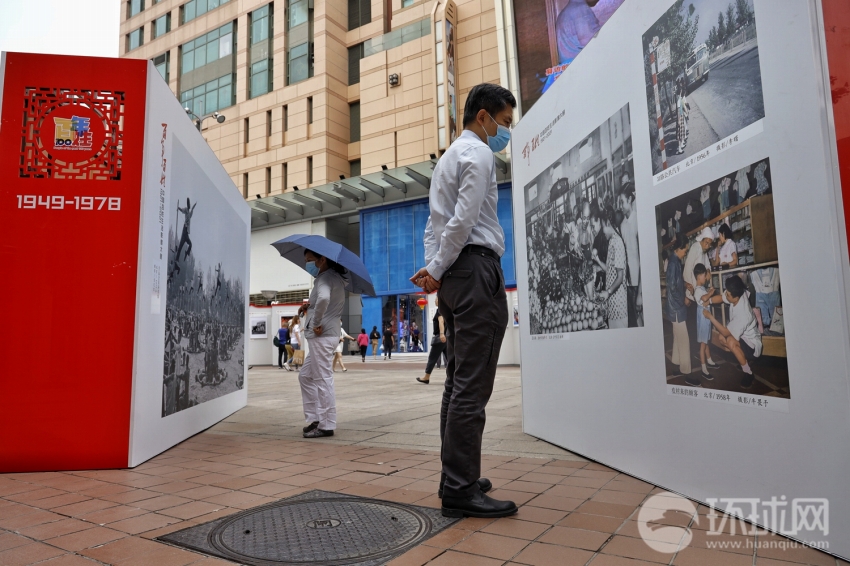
(550, 34)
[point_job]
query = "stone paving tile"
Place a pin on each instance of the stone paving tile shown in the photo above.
(88, 538)
(28, 554)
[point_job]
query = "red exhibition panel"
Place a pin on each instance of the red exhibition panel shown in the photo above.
(836, 17)
(71, 142)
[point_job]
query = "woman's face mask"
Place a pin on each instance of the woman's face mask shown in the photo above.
(500, 141)
(312, 268)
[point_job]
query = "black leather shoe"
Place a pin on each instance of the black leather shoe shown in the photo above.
(311, 426)
(479, 505)
(484, 485)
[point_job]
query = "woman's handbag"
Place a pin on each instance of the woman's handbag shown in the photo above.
(276, 342)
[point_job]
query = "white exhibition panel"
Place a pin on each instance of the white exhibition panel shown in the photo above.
(150, 431)
(604, 394)
(261, 350)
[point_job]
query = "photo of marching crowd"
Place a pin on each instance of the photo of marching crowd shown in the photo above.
(724, 327)
(582, 237)
(205, 299)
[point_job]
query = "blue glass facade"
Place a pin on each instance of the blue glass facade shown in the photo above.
(392, 247)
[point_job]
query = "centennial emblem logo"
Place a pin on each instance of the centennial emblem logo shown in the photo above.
(73, 133)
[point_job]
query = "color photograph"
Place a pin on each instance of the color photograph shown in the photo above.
(582, 236)
(703, 78)
(724, 327)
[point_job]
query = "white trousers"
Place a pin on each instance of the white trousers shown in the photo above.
(317, 382)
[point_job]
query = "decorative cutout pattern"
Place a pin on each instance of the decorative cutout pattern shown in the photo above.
(82, 140)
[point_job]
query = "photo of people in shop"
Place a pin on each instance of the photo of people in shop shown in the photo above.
(703, 78)
(582, 236)
(724, 327)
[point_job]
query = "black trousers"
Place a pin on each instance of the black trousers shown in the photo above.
(435, 354)
(281, 354)
(363, 351)
(474, 306)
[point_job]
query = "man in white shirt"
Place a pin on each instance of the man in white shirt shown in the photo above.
(463, 246)
(698, 253)
(740, 336)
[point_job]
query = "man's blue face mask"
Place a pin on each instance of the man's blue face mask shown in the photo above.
(500, 141)
(311, 268)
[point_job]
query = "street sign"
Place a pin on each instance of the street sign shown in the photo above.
(662, 56)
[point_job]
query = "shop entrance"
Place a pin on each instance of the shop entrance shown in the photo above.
(407, 320)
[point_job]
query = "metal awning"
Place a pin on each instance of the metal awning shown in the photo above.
(348, 196)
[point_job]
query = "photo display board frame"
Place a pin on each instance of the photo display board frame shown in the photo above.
(625, 396)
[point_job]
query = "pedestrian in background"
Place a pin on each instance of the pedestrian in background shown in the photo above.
(323, 328)
(282, 339)
(338, 352)
(438, 344)
(389, 342)
(375, 337)
(463, 246)
(295, 338)
(363, 342)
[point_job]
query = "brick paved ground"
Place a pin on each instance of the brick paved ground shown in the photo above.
(572, 511)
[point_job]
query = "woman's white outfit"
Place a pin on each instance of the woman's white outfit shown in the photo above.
(316, 376)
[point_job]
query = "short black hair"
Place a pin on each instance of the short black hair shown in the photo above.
(735, 286)
(681, 244)
(489, 97)
(629, 190)
(362, 331)
(699, 269)
(726, 231)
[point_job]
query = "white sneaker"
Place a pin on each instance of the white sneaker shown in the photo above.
(287, 367)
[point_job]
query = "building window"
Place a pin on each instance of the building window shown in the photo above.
(261, 70)
(209, 97)
(299, 12)
(400, 36)
(285, 117)
(245, 185)
(163, 64)
(354, 168)
(354, 113)
(161, 25)
(135, 38)
(207, 48)
(268, 180)
(284, 180)
(309, 170)
(309, 109)
(194, 8)
(355, 54)
(359, 13)
(299, 64)
(261, 78)
(134, 7)
(213, 94)
(406, 3)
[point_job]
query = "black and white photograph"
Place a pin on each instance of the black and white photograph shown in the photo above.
(258, 326)
(724, 327)
(582, 236)
(703, 80)
(205, 296)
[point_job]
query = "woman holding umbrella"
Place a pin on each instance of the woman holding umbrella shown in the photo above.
(336, 270)
(322, 330)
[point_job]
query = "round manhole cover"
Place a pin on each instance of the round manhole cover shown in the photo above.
(327, 531)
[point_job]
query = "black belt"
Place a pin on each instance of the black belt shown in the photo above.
(480, 250)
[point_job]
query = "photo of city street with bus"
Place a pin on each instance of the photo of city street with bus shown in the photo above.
(703, 78)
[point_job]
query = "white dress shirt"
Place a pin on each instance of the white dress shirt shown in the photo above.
(463, 200)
